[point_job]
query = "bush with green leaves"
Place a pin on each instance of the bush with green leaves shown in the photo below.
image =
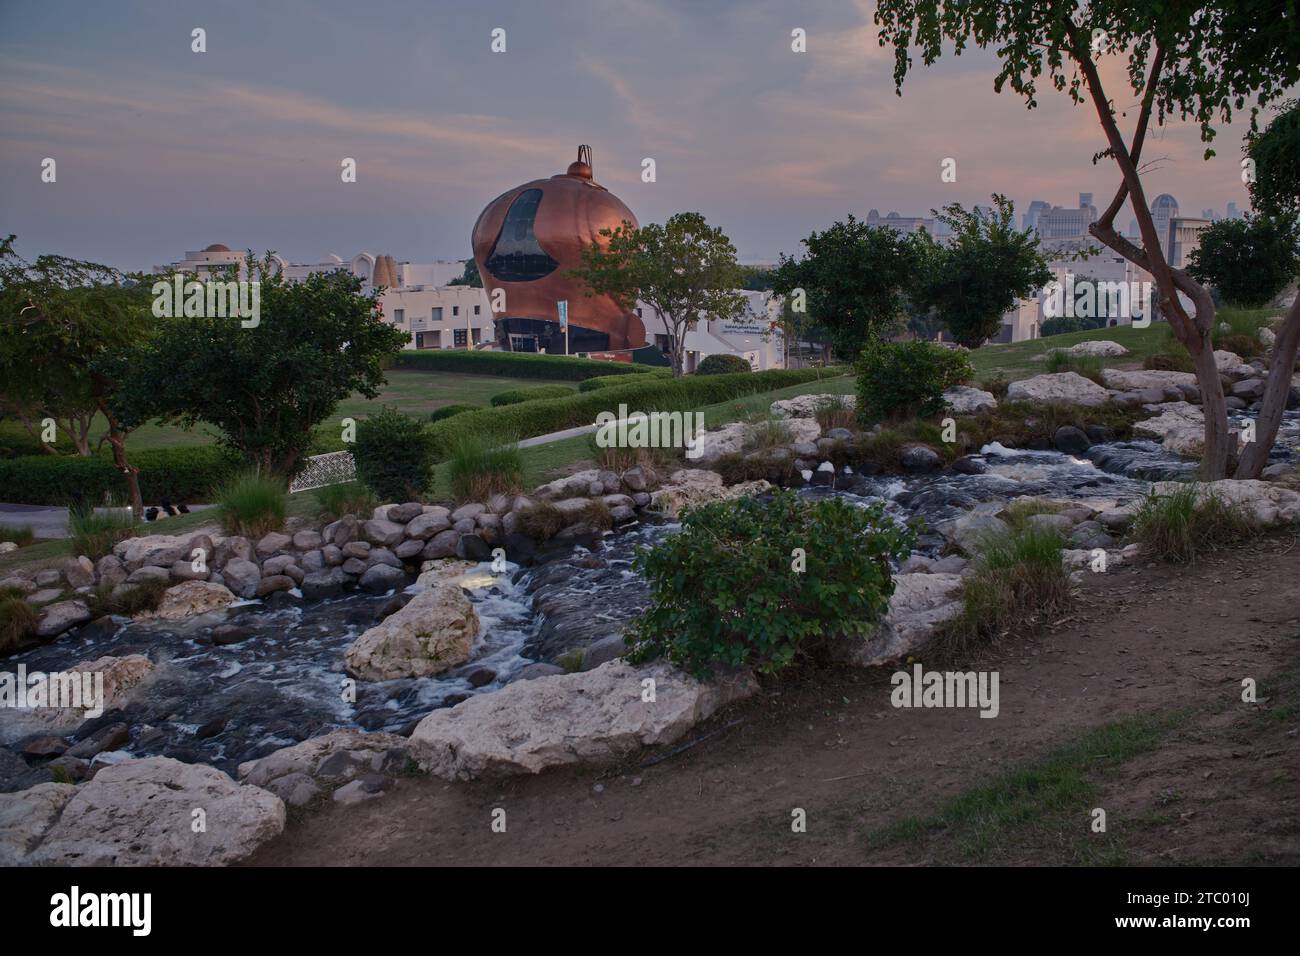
(725, 590)
(904, 379)
(721, 364)
(513, 364)
(447, 411)
(180, 474)
(394, 454)
(513, 396)
(1248, 260)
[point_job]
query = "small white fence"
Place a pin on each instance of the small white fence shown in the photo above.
(321, 470)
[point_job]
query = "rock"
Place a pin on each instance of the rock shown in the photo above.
(192, 597)
(1065, 387)
(110, 570)
(538, 669)
(383, 532)
(382, 556)
(295, 789)
(185, 571)
(1180, 426)
(108, 737)
(365, 788)
(805, 406)
(323, 584)
(57, 618)
(273, 542)
(140, 813)
(242, 577)
(26, 816)
(48, 578)
(919, 459)
(228, 634)
(1249, 390)
(639, 478)
(332, 757)
(953, 564)
(1137, 379)
(331, 555)
(969, 465)
(967, 530)
(432, 633)
(382, 578)
(1265, 503)
(425, 526)
(693, 486)
(596, 716)
(307, 540)
(606, 649)
(441, 545)
(346, 530)
(403, 513)
(1051, 522)
(78, 572)
(1225, 360)
(274, 583)
(473, 547)
(919, 604)
(964, 400)
(44, 596)
(1103, 347)
(120, 676)
(1071, 440)
(145, 574)
(472, 510)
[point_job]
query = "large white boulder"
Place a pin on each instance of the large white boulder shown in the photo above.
(694, 486)
(736, 437)
(595, 716)
(1068, 388)
(1135, 380)
(433, 632)
(193, 597)
(144, 813)
(805, 406)
(120, 676)
(1266, 502)
(919, 604)
(1180, 427)
(25, 817)
(1103, 347)
(965, 400)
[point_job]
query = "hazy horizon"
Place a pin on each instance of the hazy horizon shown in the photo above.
(161, 150)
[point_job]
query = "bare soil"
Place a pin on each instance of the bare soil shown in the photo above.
(1222, 787)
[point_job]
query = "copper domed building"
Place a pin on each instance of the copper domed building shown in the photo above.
(526, 241)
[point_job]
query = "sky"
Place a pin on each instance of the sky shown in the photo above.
(160, 149)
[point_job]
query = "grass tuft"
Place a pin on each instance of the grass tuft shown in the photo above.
(480, 466)
(93, 533)
(345, 498)
(1185, 523)
(21, 535)
(251, 505)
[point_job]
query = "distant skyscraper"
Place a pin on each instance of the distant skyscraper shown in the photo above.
(899, 223)
(1232, 210)
(1164, 209)
(1029, 221)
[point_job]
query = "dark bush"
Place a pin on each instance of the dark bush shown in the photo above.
(394, 455)
(903, 379)
(721, 364)
(602, 381)
(513, 364)
(726, 589)
(181, 474)
(447, 411)
(514, 396)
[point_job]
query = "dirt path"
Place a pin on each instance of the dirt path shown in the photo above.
(1146, 639)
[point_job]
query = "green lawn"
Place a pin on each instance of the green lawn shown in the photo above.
(413, 392)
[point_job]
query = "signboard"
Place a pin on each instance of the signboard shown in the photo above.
(563, 307)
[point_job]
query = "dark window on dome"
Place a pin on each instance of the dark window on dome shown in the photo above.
(517, 256)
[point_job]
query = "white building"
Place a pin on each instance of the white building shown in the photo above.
(754, 335)
(441, 317)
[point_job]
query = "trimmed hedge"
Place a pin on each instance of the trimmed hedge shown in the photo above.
(512, 364)
(438, 414)
(645, 394)
(181, 474)
(722, 364)
(601, 381)
(513, 396)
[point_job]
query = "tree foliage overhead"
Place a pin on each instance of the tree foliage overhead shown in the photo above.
(855, 279)
(685, 270)
(974, 279)
(265, 388)
(1276, 152)
(1248, 260)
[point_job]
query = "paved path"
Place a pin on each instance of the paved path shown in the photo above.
(49, 522)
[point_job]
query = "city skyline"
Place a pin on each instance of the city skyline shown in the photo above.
(161, 149)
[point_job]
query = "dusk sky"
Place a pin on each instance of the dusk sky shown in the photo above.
(162, 150)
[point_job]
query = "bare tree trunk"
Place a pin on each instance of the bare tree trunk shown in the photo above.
(117, 441)
(1276, 390)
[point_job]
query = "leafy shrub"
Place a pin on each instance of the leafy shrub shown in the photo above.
(21, 535)
(16, 441)
(179, 474)
(130, 600)
(1019, 576)
(394, 454)
(642, 393)
(93, 533)
(721, 364)
(251, 505)
(17, 620)
(601, 381)
(723, 591)
(345, 498)
(540, 521)
(480, 466)
(447, 411)
(513, 364)
(902, 379)
(514, 396)
(1188, 521)
(1089, 366)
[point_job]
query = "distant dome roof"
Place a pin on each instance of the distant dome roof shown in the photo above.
(217, 247)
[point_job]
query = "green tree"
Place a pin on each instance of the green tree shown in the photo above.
(1248, 260)
(265, 387)
(685, 270)
(470, 276)
(854, 279)
(976, 277)
(64, 325)
(1275, 188)
(1184, 59)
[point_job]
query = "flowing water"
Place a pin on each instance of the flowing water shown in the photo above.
(285, 682)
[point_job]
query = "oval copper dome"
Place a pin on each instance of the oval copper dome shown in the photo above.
(526, 241)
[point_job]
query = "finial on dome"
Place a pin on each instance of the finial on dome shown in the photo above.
(582, 168)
